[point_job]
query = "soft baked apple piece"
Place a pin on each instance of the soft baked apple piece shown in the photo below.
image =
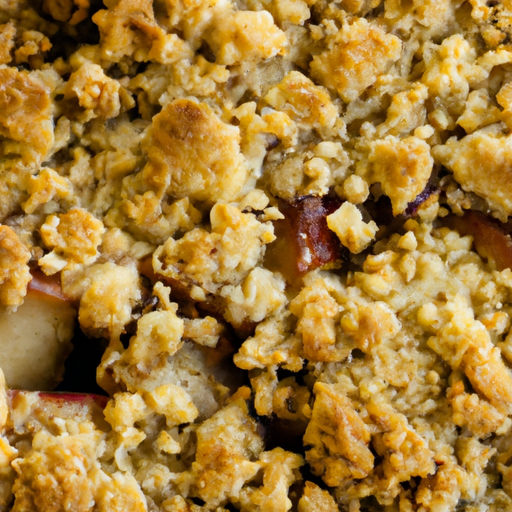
(36, 338)
(491, 238)
(303, 239)
(33, 411)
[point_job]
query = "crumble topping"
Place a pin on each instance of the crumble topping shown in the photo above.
(15, 273)
(284, 227)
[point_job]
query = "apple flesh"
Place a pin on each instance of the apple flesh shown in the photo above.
(31, 410)
(304, 242)
(36, 338)
(491, 239)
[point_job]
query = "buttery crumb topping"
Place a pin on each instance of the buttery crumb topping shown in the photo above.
(286, 227)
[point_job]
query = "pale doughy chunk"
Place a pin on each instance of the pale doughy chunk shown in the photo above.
(44, 187)
(270, 346)
(227, 450)
(259, 295)
(280, 471)
(96, 93)
(451, 70)
(479, 111)
(128, 28)
(157, 332)
(318, 313)
(315, 499)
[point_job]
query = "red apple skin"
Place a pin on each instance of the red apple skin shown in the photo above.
(79, 399)
(33, 410)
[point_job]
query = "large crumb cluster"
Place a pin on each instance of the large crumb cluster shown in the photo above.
(286, 222)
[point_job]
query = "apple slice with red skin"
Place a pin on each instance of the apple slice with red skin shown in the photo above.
(32, 410)
(72, 400)
(36, 338)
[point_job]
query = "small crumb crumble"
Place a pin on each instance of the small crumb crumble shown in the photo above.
(355, 234)
(262, 249)
(14, 269)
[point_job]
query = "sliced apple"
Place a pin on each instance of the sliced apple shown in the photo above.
(303, 239)
(490, 238)
(31, 410)
(36, 338)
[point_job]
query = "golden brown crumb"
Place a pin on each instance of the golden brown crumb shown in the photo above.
(286, 224)
(15, 273)
(187, 163)
(73, 238)
(339, 438)
(357, 55)
(25, 103)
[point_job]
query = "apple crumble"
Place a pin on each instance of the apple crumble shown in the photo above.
(284, 226)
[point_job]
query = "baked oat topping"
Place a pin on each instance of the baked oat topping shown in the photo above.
(285, 225)
(15, 272)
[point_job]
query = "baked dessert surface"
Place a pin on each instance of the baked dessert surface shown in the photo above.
(286, 225)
